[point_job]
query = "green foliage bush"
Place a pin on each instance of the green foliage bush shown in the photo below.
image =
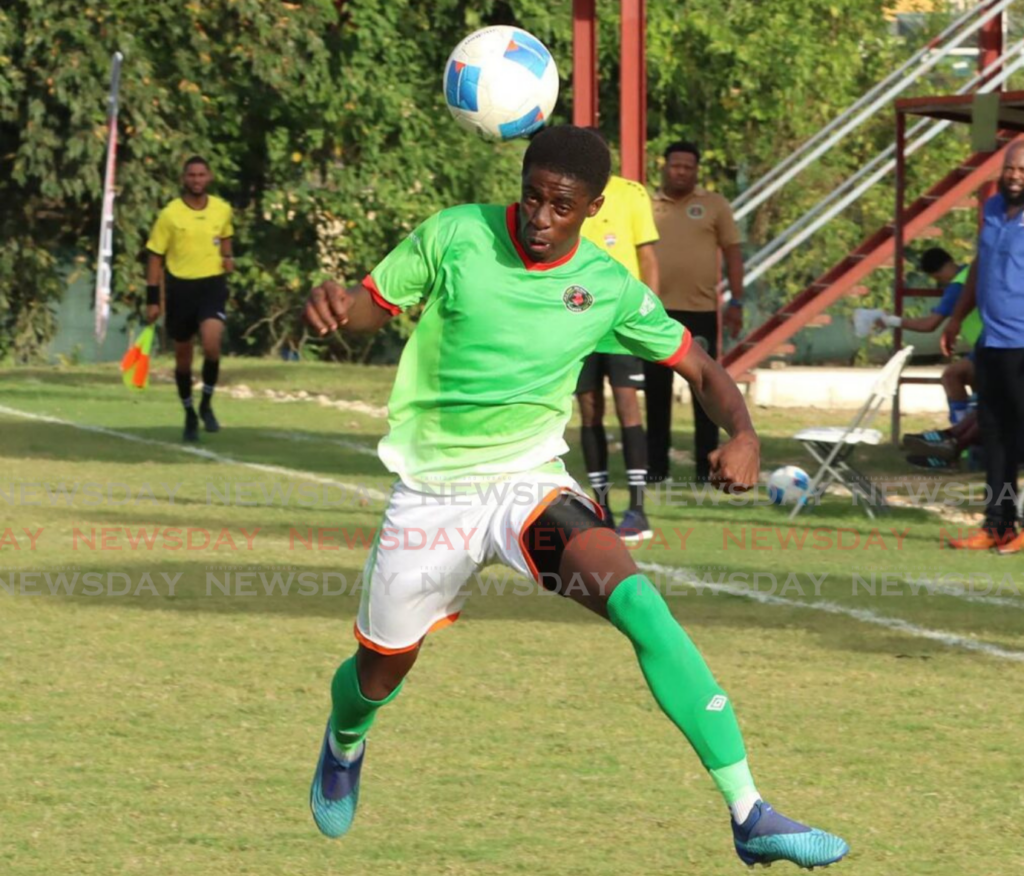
(326, 128)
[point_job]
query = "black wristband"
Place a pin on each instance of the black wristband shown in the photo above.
(152, 294)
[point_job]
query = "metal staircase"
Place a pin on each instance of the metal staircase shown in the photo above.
(876, 250)
(807, 307)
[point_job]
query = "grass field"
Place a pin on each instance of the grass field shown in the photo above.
(174, 729)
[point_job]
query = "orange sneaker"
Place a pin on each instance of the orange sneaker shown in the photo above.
(1011, 547)
(983, 540)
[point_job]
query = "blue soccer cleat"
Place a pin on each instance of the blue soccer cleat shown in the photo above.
(334, 794)
(766, 837)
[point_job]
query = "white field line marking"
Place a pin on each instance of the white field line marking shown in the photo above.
(312, 439)
(930, 586)
(356, 489)
(861, 614)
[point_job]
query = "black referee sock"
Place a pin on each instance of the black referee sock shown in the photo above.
(211, 369)
(634, 450)
(184, 381)
(595, 457)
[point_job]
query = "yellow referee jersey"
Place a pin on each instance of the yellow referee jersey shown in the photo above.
(190, 239)
(624, 222)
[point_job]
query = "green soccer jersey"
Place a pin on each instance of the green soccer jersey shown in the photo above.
(485, 384)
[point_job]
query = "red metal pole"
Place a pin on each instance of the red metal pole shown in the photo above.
(990, 48)
(990, 42)
(584, 63)
(633, 89)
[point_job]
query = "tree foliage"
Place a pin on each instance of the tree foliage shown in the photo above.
(325, 124)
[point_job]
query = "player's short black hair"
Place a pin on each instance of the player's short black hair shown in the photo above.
(571, 151)
(934, 259)
(195, 159)
(683, 146)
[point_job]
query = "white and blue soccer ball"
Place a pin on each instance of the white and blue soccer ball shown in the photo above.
(788, 485)
(501, 82)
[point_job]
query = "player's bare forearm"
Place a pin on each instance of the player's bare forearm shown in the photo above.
(648, 266)
(154, 269)
(923, 324)
(716, 391)
(734, 270)
(330, 307)
(736, 464)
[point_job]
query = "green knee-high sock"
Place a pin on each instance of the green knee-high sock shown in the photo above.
(352, 714)
(682, 684)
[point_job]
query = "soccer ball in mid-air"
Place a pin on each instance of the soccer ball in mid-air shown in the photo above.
(788, 485)
(501, 82)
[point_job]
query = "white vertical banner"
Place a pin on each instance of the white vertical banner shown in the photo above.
(106, 247)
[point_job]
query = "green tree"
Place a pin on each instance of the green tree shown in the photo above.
(326, 126)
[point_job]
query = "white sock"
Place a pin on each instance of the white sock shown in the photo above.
(742, 808)
(344, 753)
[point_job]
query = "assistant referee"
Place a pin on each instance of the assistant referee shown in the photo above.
(191, 243)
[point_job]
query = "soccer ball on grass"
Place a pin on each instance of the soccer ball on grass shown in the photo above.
(788, 485)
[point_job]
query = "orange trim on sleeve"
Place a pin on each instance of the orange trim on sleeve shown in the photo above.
(370, 286)
(677, 356)
(380, 649)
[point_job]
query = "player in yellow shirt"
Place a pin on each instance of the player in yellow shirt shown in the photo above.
(624, 228)
(190, 244)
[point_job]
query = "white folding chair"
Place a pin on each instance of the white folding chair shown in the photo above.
(832, 446)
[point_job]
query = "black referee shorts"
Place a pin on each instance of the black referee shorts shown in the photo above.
(620, 371)
(190, 302)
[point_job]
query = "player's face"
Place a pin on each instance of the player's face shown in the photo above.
(679, 175)
(196, 178)
(1011, 181)
(551, 211)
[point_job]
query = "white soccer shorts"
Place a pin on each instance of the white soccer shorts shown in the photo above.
(429, 545)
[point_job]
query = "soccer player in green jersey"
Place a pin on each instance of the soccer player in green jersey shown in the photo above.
(513, 302)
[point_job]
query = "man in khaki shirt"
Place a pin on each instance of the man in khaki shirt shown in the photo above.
(694, 225)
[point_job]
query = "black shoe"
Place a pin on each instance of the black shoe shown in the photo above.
(209, 420)
(938, 444)
(191, 426)
(934, 463)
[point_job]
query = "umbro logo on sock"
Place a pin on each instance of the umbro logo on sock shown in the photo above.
(717, 703)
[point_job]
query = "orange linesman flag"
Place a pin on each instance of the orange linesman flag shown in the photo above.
(135, 364)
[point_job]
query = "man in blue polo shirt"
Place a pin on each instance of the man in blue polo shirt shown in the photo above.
(996, 286)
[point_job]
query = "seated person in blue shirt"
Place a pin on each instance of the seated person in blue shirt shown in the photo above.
(950, 277)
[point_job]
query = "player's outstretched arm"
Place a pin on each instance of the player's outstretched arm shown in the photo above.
(330, 307)
(736, 464)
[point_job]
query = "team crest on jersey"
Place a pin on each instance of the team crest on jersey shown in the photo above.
(610, 239)
(577, 299)
(695, 211)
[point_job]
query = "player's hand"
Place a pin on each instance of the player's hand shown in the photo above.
(947, 343)
(732, 321)
(228, 263)
(735, 465)
(152, 312)
(327, 308)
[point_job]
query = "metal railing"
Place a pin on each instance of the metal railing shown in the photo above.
(868, 105)
(884, 163)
